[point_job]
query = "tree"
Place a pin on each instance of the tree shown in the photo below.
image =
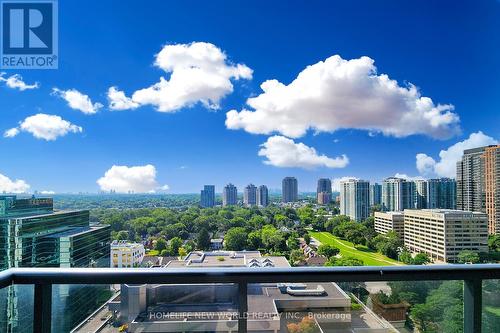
(121, 235)
(235, 239)
(296, 256)
(344, 261)
(328, 250)
(356, 235)
(189, 246)
(468, 256)
(421, 259)
(175, 244)
(160, 244)
(306, 325)
(422, 315)
(165, 253)
(182, 252)
(494, 243)
(254, 240)
(307, 239)
(203, 239)
(293, 242)
(405, 256)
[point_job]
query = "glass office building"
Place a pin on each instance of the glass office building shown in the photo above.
(32, 234)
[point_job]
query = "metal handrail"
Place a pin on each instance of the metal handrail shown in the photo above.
(44, 278)
(247, 275)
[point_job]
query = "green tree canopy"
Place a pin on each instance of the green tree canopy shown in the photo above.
(236, 239)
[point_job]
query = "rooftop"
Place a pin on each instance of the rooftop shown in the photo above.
(228, 259)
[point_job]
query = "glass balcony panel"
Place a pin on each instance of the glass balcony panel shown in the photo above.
(16, 309)
(491, 306)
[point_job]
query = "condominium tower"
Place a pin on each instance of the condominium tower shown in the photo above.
(397, 194)
(355, 199)
(470, 181)
(229, 195)
(492, 187)
(289, 189)
(375, 194)
(478, 183)
(441, 193)
(208, 196)
(262, 196)
(324, 191)
(250, 195)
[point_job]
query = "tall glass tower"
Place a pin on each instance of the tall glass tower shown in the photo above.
(289, 189)
(32, 234)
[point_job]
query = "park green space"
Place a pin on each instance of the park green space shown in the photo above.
(347, 249)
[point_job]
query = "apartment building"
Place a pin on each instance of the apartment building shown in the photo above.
(355, 199)
(125, 254)
(491, 162)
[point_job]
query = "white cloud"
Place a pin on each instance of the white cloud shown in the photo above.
(405, 176)
(199, 72)
(77, 101)
(124, 179)
(446, 166)
(16, 82)
(164, 188)
(118, 100)
(337, 93)
(47, 192)
(284, 152)
(12, 186)
(44, 126)
(10, 133)
(336, 182)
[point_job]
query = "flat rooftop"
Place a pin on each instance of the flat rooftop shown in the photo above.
(441, 211)
(226, 259)
(264, 300)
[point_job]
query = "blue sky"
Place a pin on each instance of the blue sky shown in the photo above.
(448, 49)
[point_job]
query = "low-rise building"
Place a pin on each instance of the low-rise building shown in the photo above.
(444, 233)
(214, 307)
(389, 221)
(216, 244)
(124, 254)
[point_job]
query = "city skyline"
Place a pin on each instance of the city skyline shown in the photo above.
(118, 130)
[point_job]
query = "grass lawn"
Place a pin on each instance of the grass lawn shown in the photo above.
(493, 310)
(347, 249)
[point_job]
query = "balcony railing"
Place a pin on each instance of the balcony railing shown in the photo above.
(44, 278)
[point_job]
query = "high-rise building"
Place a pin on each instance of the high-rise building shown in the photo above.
(440, 193)
(229, 195)
(207, 196)
(478, 179)
(420, 196)
(262, 196)
(375, 194)
(250, 195)
(355, 199)
(324, 191)
(398, 194)
(290, 189)
(470, 181)
(492, 187)
(444, 233)
(32, 234)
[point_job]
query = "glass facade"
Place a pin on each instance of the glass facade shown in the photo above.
(33, 235)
